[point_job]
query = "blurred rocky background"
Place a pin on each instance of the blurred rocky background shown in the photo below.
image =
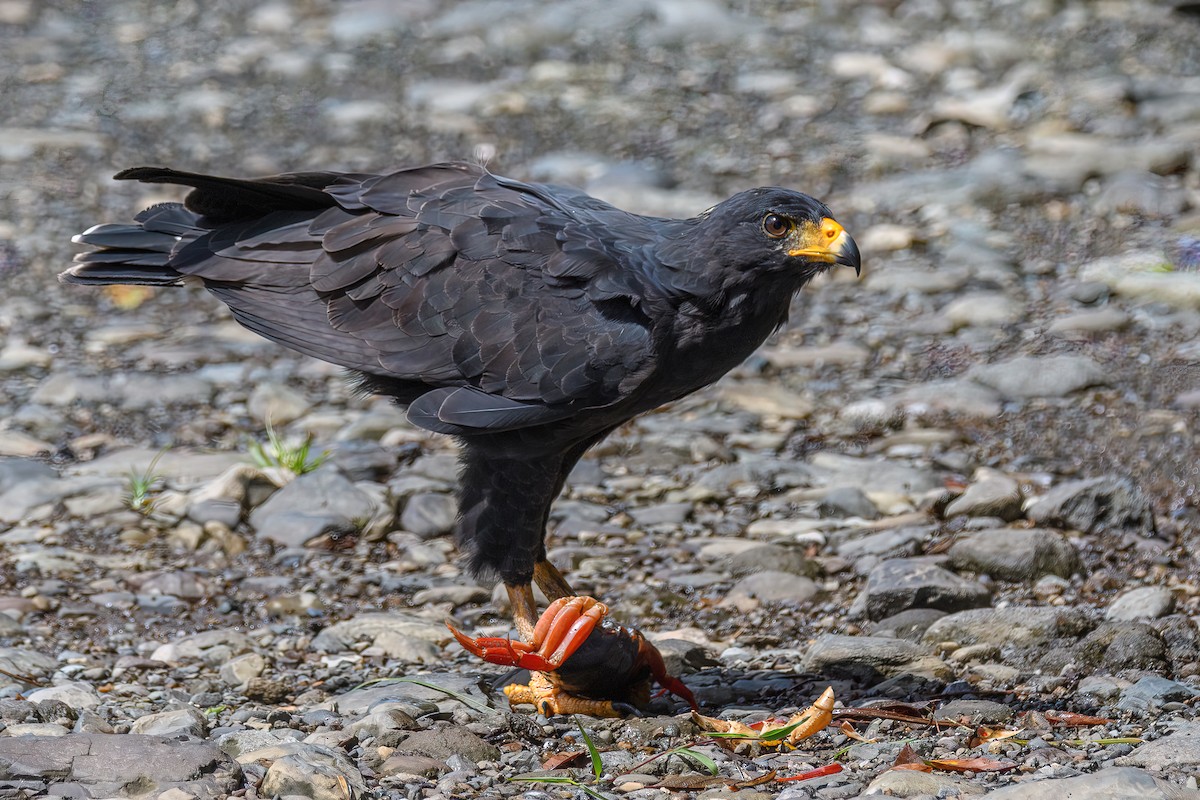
(968, 479)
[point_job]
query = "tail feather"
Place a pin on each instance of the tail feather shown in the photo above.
(230, 199)
(117, 236)
(135, 254)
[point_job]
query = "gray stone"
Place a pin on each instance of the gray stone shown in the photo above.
(1026, 377)
(1154, 690)
(834, 469)
(909, 624)
(297, 528)
(1118, 646)
(901, 583)
(276, 404)
(212, 647)
(891, 542)
(444, 743)
(1144, 602)
(1112, 783)
(405, 764)
(366, 698)
(238, 742)
(847, 501)
(1179, 750)
(771, 557)
(456, 595)
(662, 514)
(995, 496)
(912, 783)
(770, 587)
(1095, 505)
(107, 765)
(321, 500)
(75, 695)
(975, 712)
(175, 724)
(428, 515)
(1019, 626)
(309, 770)
(870, 658)
(1016, 554)
(237, 671)
(14, 471)
(1101, 320)
(369, 626)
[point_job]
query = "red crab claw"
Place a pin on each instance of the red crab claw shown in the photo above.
(562, 628)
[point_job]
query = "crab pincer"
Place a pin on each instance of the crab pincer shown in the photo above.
(583, 662)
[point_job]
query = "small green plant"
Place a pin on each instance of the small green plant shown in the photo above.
(277, 453)
(140, 485)
(566, 780)
(686, 752)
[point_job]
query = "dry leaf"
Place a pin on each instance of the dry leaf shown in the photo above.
(561, 760)
(1072, 719)
(848, 731)
(984, 735)
(759, 781)
(914, 766)
(907, 756)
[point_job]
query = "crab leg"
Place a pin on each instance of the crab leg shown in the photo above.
(564, 626)
(570, 626)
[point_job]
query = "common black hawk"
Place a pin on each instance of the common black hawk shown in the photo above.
(525, 319)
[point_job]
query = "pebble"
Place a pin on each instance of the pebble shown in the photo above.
(1107, 503)
(1024, 378)
(1016, 554)
(1144, 602)
(899, 584)
(994, 496)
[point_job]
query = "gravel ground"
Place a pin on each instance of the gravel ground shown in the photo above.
(963, 488)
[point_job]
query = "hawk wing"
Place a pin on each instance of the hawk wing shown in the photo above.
(492, 303)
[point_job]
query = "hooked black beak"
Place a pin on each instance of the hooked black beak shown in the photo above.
(846, 254)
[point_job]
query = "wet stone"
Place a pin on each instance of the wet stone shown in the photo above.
(1016, 554)
(903, 583)
(1018, 626)
(847, 501)
(429, 515)
(1154, 690)
(1112, 783)
(770, 586)
(1144, 602)
(869, 658)
(1024, 377)
(995, 496)
(1095, 505)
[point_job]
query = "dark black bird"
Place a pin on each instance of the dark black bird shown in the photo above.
(527, 320)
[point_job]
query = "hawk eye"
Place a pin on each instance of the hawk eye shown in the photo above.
(776, 226)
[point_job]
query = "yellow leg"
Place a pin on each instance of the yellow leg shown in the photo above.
(524, 609)
(551, 581)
